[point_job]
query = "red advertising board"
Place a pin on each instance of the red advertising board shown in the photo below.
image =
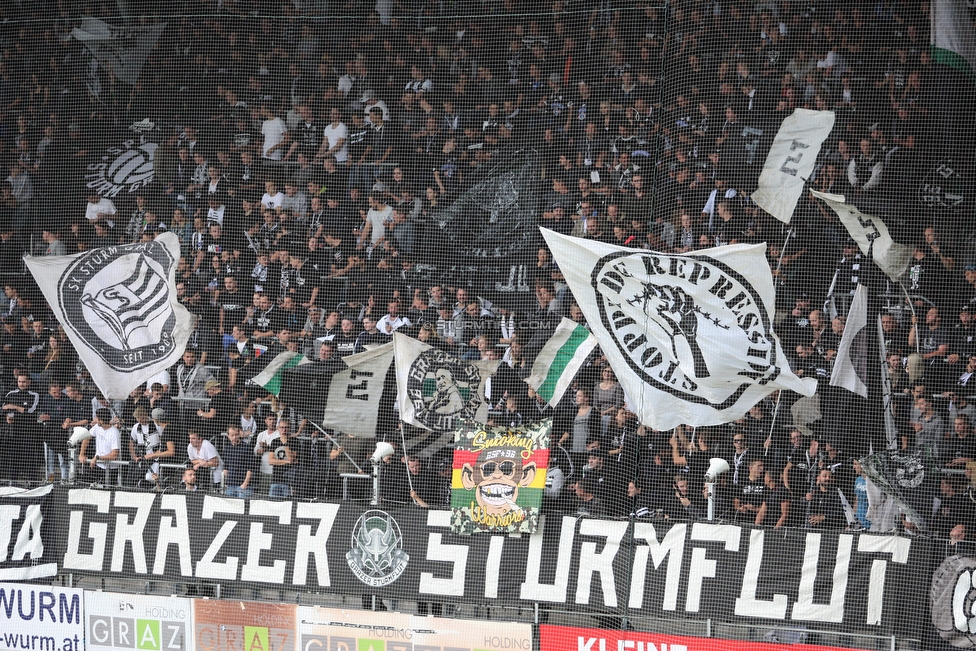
(566, 638)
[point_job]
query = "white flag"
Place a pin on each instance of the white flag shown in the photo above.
(690, 337)
(890, 256)
(560, 360)
(118, 307)
(354, 395)
(853, 357)
(435, 388)
(953, 37)
(791, 160)
(123, 50)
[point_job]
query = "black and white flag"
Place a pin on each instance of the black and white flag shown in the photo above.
(690, 337)
(871, 235)
(123, 50)
(436, 389)
(119, 308)
(854, 353)
(354, 395)
(791, 160)
(909, 477)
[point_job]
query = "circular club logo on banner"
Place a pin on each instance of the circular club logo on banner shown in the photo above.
(687, 325)
(377, 557)
(943, 187)
(122, 169)
(442, 388)
(117, 300)
(953, 601)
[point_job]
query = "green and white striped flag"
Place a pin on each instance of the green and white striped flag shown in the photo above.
(273, 374)
(560, 359)
(953, 36)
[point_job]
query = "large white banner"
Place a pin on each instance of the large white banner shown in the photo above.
(119, 308)
(132, 621)
(791, 160)
(690, 337)
(42, 617)
(890, 256)
(436, 388)
(354, 394)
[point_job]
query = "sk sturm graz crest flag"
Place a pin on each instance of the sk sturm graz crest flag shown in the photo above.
(119, 308)
(690, 337)
(435, 389)
(498, 477)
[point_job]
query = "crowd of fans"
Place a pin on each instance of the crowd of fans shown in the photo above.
(302, 160)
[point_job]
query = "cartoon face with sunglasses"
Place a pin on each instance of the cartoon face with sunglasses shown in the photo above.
(496, 478)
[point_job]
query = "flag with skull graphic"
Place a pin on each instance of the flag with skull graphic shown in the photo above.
(690, 337)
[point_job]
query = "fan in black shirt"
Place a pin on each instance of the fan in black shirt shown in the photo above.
(750, 498)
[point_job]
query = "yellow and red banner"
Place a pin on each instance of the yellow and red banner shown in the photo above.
(498, 478)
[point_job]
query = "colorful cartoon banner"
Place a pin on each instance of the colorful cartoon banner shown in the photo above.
(499, 476)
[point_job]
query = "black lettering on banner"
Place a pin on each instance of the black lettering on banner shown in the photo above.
(785, 168)
(358, 391)
(871, 231)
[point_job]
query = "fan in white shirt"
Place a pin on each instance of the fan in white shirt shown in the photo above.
(275, 133)
(273, 197)
(202, 454)
(336, 135)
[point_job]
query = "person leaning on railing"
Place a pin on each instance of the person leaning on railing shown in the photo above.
(105, 439)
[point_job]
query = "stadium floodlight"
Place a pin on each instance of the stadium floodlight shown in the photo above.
(78, 435)
(716, 466)
(383, 450)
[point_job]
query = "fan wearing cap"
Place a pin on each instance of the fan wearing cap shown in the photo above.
(379, 147)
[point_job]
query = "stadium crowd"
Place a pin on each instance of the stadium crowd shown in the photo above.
(302, 162)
